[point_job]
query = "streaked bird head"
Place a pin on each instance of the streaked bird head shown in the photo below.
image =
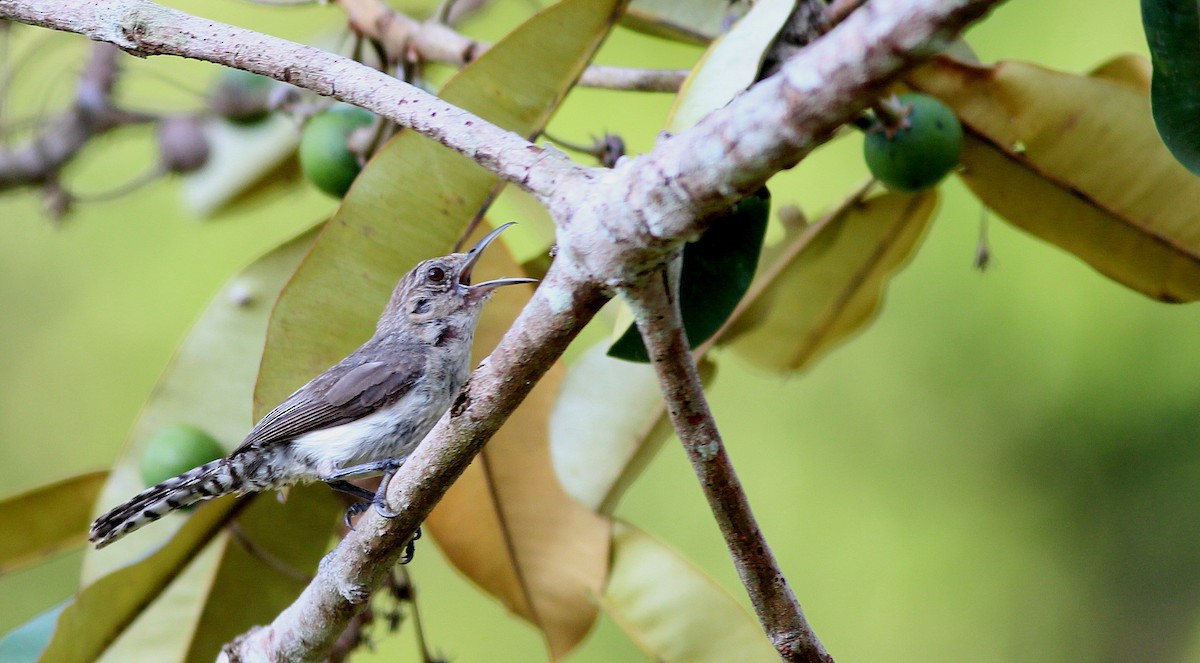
(440, 288)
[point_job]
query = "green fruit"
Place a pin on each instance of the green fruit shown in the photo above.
(325, 157)
(176, 449)
(919, 153)
(241, 97)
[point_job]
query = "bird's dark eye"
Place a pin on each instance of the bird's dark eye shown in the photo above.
(436, 274)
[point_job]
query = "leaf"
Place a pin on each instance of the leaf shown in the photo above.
(730, 65)
(1173, 33)
(51, 518)
(26, 643)
(384, 228)
(827, 281)
(717, 270)
(274, 548)
(507, 522)
(608, 421)
(695, 22)
(209, 382)
(672, 610)
(104, 609)
(1075, 160)
(602, 410)
(1128, 68)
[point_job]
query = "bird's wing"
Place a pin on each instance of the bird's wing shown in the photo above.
(330, 401)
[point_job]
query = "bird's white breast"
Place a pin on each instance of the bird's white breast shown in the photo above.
(389, 432)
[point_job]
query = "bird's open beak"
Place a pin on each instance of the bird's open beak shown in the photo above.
(464, 275)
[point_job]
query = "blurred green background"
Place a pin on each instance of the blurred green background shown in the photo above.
(1003, 467)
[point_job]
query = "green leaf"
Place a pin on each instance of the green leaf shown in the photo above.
(826, 281)
(1173, 33)
(717, 270)
(26, 643)
(209, 382)
(674, 611)
(50, 518)
(415, 198)
(1076, 161)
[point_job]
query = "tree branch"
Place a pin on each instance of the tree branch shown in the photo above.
(616, 228)
(90, 114)
(144, 28)
(656, 310)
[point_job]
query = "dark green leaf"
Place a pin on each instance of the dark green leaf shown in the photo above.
(1173, 32)
(26, 643)
(717, 270)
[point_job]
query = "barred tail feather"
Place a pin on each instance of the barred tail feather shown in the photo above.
(214, 479)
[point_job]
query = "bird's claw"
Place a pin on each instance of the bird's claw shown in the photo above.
(410, 548)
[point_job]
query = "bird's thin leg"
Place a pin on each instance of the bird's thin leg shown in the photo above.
(387, 466)
(373, 467)
(350, 489)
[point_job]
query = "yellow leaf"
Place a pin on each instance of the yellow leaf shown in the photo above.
(827, 281)
(1129, 68)
(672, 610)
(68, 503)
(1076, 161)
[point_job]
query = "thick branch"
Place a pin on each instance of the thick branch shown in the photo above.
(656, 311)
(655, 201)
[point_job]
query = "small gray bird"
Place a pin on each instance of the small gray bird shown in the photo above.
(359, 418)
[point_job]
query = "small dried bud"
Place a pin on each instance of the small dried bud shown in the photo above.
(182, 145)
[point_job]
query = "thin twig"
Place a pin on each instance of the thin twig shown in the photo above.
(91, 113)
(437, 42)
(656, 310)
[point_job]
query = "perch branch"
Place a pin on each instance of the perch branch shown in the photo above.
(656, 311)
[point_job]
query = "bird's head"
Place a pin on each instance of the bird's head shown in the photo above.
(439, 289)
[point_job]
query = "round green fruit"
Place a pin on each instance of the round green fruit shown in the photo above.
(241, 97)
(176, 449)
(325, 156)
(920, 152)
